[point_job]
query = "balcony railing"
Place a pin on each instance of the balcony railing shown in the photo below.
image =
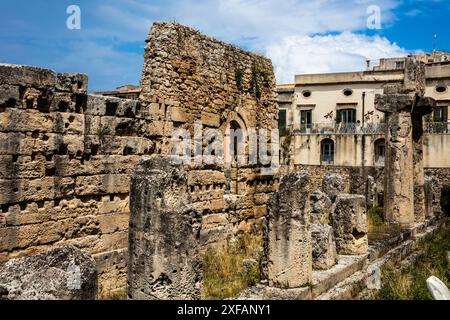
(437, 127)
(340, 128)
(356, 128)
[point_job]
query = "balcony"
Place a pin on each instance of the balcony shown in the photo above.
(437, 127)
(340, 128)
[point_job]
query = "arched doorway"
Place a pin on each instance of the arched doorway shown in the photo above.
(380, 151)
(327, 150)
(235, 153)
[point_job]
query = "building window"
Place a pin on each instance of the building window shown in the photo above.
(346, 116)
(440, 114)
(347, 92)
(306, 94)
(305, 121)
(282, 118)
(400, 65)
(441, 89)
(380, 151)
(327, 152)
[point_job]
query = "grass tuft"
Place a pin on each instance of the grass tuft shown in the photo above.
(223, 271)
(411, 284)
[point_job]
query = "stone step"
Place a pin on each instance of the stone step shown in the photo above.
(346, 289)
(327, 279)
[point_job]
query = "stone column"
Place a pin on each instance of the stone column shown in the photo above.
(349, 221)
(404, 106)
(423, 107)
(288, 238)
(163, 234)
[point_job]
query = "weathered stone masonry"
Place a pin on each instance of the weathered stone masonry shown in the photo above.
(66, 157)
(65, 160)
(190, 77)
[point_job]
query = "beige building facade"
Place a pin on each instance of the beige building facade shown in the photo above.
(331, 118)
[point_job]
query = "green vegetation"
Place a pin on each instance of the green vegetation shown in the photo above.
(224, 275)
(375, 220)
(411, 284)
(445, 199)
(239, 75)
(255, 84)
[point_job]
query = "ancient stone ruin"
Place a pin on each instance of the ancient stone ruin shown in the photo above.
(405, 106)
(164, 260)
(106, 176)
(288, 240)
(65, 273)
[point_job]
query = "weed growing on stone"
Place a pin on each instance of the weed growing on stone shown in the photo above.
(224, 273)
(411, 284)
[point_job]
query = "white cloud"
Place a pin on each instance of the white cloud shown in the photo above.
(329, 53)
(294, 33)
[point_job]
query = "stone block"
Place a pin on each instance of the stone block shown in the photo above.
(349, 221)
(9, 96)
(64, 273)
(165, 263)
(205, 177)
(209, 119)
(324, 252)
(179, 115)
(72, 82)
(332, 185)
(18, 75)
(320, 208)
(288, 240)
(102, 184)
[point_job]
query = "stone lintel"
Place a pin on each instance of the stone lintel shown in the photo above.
(393, 103)
(424, 106)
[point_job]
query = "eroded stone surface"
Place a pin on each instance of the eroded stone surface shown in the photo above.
(324, 252)
(163, 233)
(405, 105)
(332, 185)
(288, 239)
(64, 273)
(320, 207)
(349, 221)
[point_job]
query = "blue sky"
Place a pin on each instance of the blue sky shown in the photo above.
(300, 36)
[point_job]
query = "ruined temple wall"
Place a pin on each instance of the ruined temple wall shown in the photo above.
(354, 178)
(65, 164)
(198, 78)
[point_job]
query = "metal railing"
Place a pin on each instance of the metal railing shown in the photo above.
(341, 128)
(437, 127)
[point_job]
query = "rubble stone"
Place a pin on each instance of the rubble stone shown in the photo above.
(349, 221)
(324, 252)
(64, 273)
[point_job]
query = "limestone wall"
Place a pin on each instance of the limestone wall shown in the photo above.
(65, 161)
(66, 157)
(354, 178)
(197, 78)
